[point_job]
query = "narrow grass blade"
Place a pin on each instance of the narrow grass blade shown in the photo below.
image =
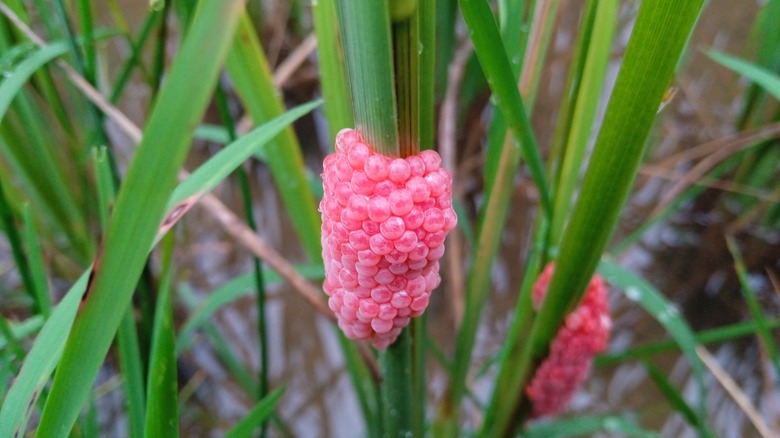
(756, 310)
(14, 81)
(333, 74)
(133, 62)
(139, 209)
(498, 71)
(35, 260)
(24, 329)
(223, 163)
(106, 191)
(40, 363)
(491, 223)
(260, 291)
(655, 304)
(14, 238)
(720, 334)
(162, 413)
(764, 78)
(588, 426)
(508, 386)
(88, 31)
(229, 292)
(365, 384)
(259, 413)
(595, 46)
(13, 346)
(676, 400)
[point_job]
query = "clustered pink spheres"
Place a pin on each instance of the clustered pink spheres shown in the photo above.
(584, 334)
(384, 221)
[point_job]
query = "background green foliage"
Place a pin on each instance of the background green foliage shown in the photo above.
(566, 126)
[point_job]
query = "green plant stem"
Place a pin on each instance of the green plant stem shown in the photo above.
(35, 262)
(87, 30)
(158, 61)
(366, 387)
(396, 364)
(490, 228)
(366, 36)
(8, 223)
(712, 336)
(249, 216)
(136, 47)
(417, 332)
(407, 73)
(508, 388)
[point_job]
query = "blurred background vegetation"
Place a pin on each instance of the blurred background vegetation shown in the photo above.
(699, 231)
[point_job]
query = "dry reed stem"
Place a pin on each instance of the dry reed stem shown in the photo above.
(279, 27)
(713, 153)
(736, 393)
(447, 144)
(744, 221)
(294, 60)
(535, 40)
(282, 74)
(237, 229)
(767, 382)
(712, 183)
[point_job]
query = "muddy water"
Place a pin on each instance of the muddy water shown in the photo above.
(679, 259)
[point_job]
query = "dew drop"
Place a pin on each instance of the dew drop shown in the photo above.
(633, 293)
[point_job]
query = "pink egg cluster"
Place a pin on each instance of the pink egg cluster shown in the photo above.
(384, 221)
(584, 334)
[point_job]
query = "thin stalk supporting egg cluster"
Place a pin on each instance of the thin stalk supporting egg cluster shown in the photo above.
(384, 221)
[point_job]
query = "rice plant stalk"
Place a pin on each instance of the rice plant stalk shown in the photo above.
(658, 38)
(493, 59)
